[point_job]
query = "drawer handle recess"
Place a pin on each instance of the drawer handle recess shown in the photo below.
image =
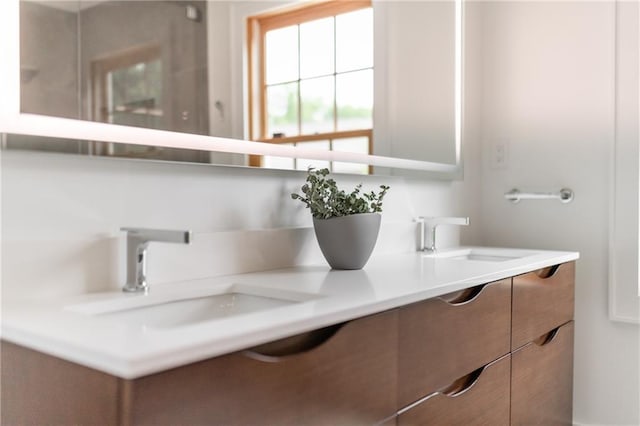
(290, 346)
(463, 384)
(463, 297)
(547, 272)
(547, 338)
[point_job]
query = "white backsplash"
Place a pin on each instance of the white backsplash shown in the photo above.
(61, 216)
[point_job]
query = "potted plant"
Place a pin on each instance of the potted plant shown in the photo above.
(346, 224)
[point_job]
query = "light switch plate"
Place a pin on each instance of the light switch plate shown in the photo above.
(499, 155)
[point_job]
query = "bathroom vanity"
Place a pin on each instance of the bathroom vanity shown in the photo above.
(408, 340)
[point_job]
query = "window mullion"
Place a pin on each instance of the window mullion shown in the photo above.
(331, 149)
(335, 78)
(299, 86)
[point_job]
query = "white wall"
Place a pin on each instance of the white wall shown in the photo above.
(549, 96)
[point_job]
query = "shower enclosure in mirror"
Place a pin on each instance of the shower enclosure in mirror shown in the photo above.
(350, 85)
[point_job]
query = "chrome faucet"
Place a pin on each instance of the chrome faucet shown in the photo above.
(138, 240)
(428, 227)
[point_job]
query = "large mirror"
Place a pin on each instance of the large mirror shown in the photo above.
(345, 84)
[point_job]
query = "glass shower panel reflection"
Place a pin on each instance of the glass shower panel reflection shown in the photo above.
(134, 95)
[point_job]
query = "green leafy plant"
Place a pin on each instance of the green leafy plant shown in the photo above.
(322, 196)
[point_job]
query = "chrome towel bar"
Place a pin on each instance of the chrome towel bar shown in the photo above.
(565, 195)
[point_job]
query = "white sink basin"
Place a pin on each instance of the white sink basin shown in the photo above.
(163, 310)
(482, 254)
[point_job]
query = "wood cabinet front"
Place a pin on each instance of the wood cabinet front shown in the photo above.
(452, 335)
(443, 361)
(542, 300)
(344, 377)
(542, 380)
(481, 398)
(39, 389)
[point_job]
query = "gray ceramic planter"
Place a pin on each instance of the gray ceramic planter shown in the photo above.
(347, 242)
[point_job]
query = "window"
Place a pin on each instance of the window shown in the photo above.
(311, 81)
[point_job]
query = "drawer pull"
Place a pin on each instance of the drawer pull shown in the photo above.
(463, 297)
(463, 384)
(547, 338)
(294, 345)
(455, 389)
(547, 272)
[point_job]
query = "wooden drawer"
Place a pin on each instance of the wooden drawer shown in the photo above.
(481, 398)
(542, 300)
(39, 389)
(447, 337)
(542, 380)
(343, 375)
(391, 421)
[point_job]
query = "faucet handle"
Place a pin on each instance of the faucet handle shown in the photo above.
(428, 227)
(161, 235)
(421, 230)
(446, 220)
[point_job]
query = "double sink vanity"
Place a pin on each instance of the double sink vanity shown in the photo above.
(461, 336)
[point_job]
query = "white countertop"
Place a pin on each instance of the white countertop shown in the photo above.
(129, 349)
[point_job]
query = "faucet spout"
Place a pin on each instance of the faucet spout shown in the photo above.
(428, 227)
(138, 240)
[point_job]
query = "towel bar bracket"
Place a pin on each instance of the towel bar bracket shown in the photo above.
(565, 195)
